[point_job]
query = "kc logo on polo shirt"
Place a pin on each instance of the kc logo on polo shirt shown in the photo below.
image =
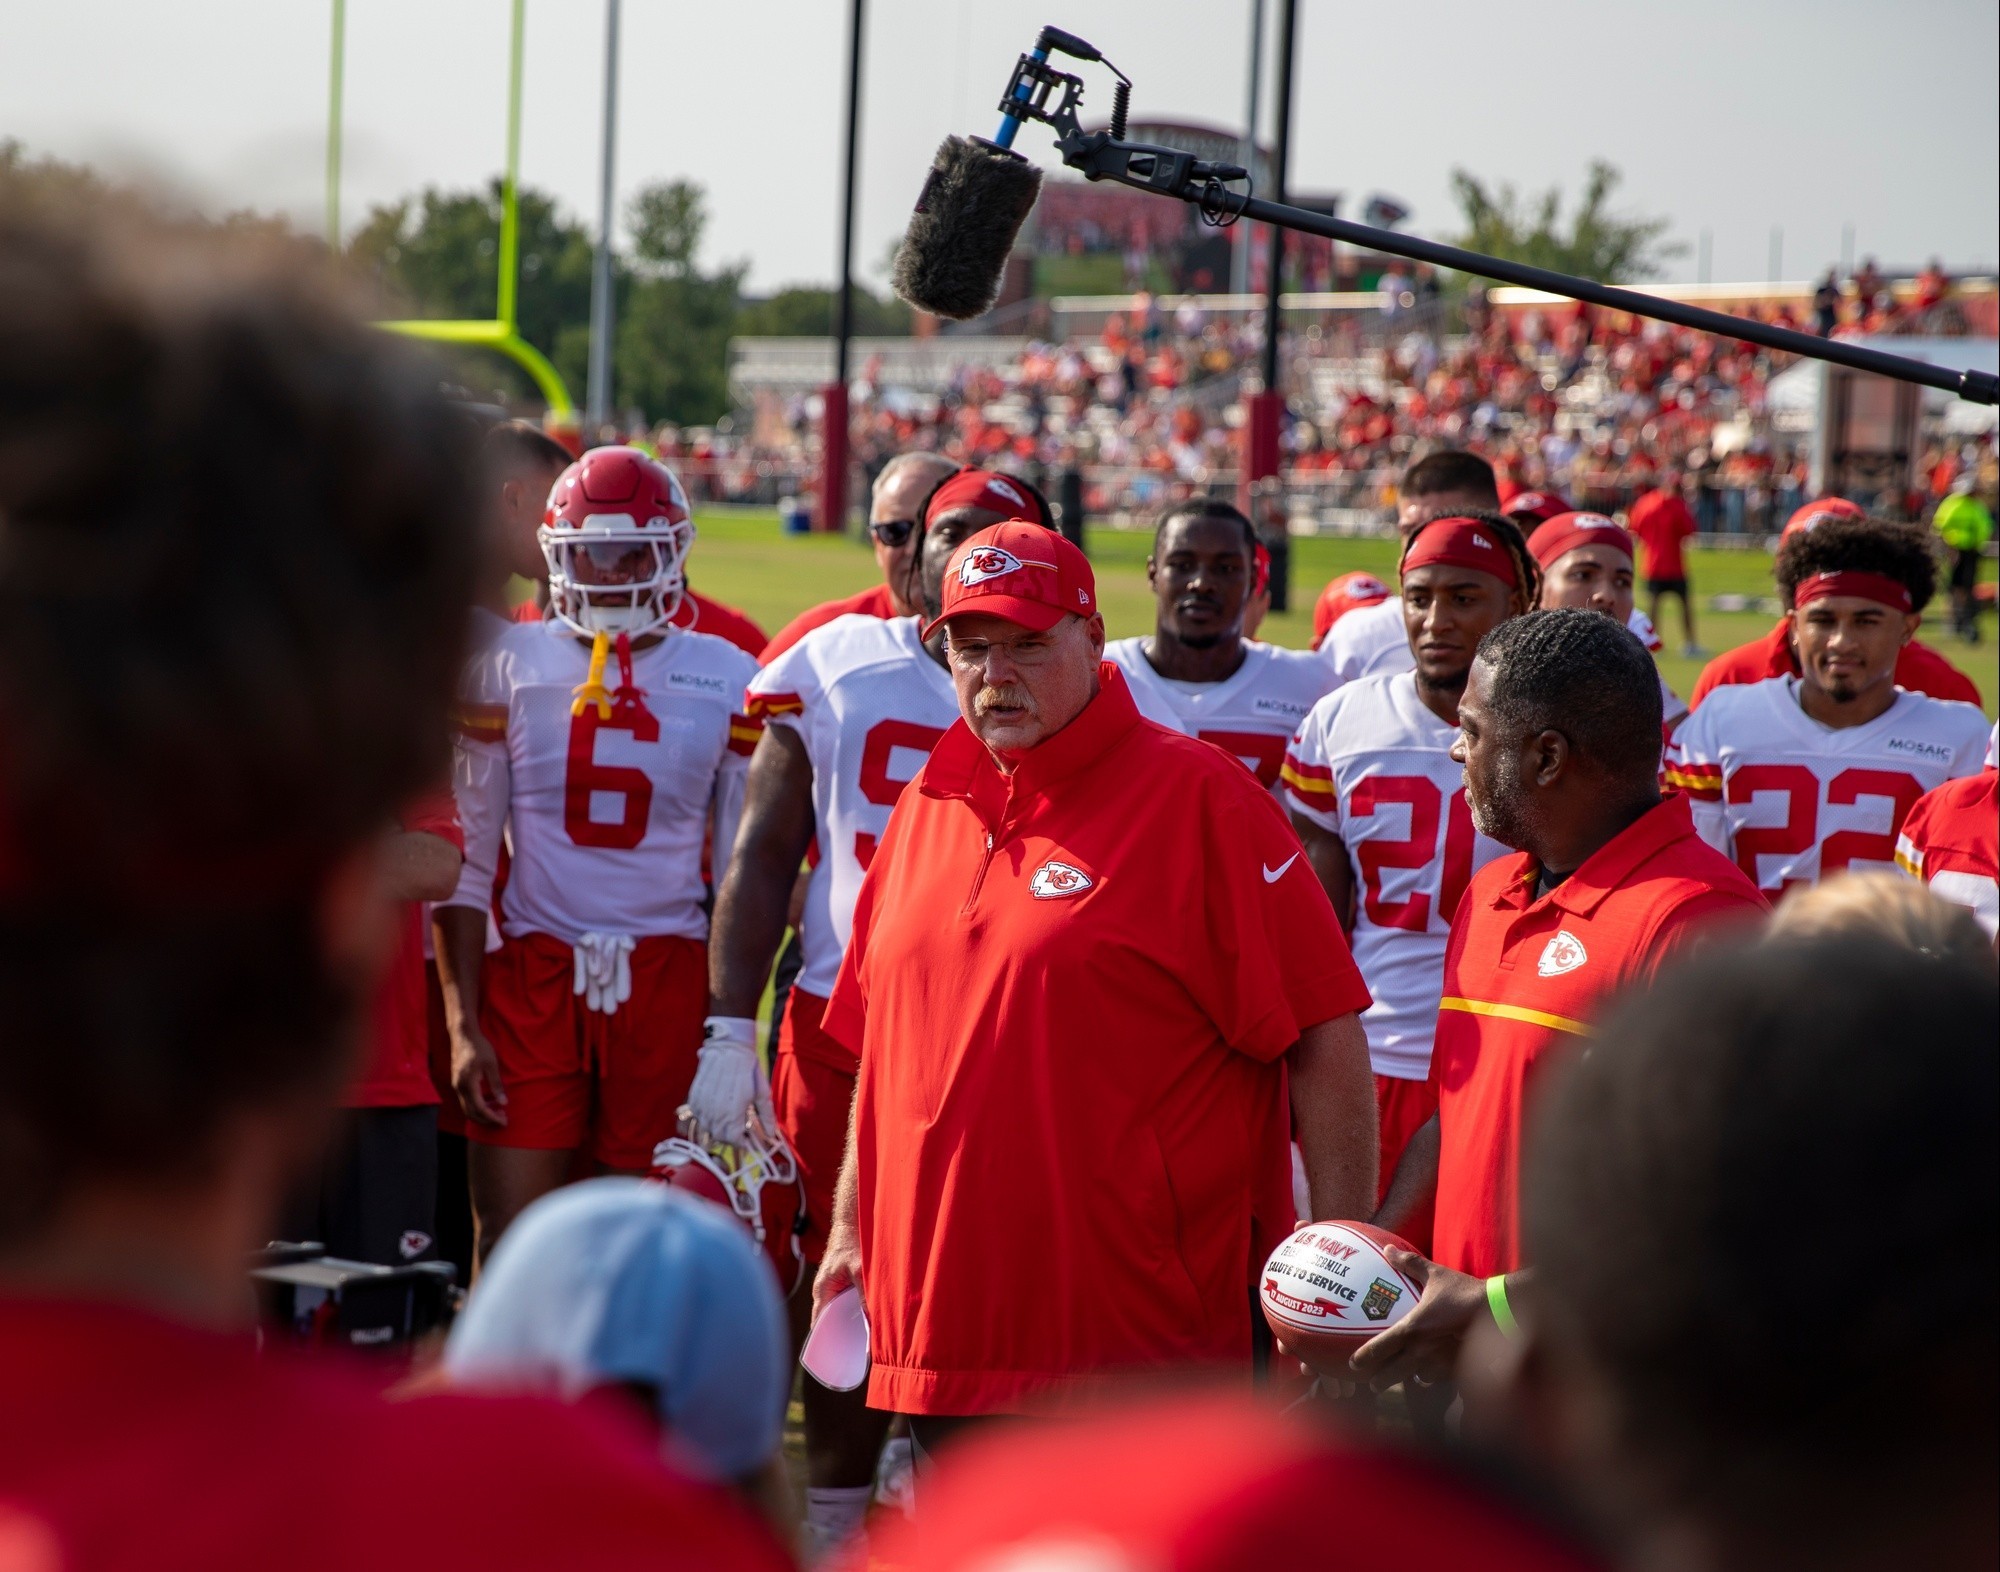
(1054, 880)
(1563, 953)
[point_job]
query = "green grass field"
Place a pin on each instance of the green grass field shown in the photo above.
(742, 558)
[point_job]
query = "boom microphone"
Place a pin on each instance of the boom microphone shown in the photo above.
(954, 254)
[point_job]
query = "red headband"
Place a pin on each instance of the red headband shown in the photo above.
(1567, 531)
(1462, 543)
(981, 488)
(1878, 587)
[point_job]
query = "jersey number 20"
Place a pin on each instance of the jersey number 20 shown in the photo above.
(1415, 850)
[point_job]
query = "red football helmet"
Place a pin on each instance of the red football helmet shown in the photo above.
(1529, 508)
(616, 536)
(758, 1181)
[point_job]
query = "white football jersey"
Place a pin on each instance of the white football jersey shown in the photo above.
(606, 818)
(1794, 801)
(869, 703)
(1372, 765)
(1251, 714)
(1368, 642)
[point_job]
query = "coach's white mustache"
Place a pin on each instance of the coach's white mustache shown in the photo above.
(1005, 697)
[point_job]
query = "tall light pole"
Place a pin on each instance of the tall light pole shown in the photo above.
(597, 398)
(333, 111)
(833, 419)
(1267, 409)
(1239, 267)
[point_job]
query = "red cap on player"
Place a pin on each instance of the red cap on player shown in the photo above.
(1538, 507)
(1567, 531)
(1019, 571)
(1349, 592)
(1823, 508)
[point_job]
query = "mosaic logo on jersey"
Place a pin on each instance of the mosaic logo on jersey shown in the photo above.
(1921, 750)
(694, 679)
(1269, 706)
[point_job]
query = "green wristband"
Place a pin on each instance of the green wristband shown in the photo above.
(1496, 1301)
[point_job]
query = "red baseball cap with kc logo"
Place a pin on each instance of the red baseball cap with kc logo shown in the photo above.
(1019, 571)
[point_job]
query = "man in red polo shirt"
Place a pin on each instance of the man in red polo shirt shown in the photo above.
(1087, 960)
(1919, 668)
(895, 515)
(1559, 732)
(1661, 523)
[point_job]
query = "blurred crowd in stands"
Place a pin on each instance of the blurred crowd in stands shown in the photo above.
(1593, 404)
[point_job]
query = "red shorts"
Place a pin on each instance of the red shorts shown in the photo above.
(608, 1086)
(1402, 1109)
(812, 1088)
(451, 1117)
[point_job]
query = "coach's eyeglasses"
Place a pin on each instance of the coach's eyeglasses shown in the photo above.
(894, 533)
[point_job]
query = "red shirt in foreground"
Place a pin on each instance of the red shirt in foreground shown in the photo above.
(697, 612)
(1951, 841)
(1919, 668)
(397, 1073)
(1071, 992)
(1523, 977)
(1660, 521)
(876, 602)
(1209, 1484)
(128, 1442)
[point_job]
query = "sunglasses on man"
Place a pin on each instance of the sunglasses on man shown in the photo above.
(893, 533)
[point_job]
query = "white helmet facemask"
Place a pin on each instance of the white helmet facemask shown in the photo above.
(644, 602)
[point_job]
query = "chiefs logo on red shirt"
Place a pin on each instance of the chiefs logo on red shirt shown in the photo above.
(1054, 880)
(990, 562)
(1563, 953)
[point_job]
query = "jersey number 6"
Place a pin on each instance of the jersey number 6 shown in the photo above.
(586, 780)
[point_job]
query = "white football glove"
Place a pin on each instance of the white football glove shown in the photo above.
(729, 1081)
(604, 970)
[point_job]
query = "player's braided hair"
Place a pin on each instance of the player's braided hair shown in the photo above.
(1527, 572)
(1691, 1178)
(1207, 508)
(1834, 544)
(1581, 674)
(237, 529)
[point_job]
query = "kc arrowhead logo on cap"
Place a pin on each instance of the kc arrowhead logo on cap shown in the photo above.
(989, 562)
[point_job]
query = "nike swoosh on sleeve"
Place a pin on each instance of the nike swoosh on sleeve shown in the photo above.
(1273, 875)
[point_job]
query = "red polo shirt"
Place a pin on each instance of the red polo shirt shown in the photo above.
(1071, 990)
(876, 602)
(1919, 668)
(1523, 977)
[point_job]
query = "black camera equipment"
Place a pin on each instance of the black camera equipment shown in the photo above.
(979, 194)
(309, 1299)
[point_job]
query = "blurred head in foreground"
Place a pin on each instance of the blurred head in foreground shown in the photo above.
(1887, 906)
(236, 526)
(628, 1286)
(1763, 1211)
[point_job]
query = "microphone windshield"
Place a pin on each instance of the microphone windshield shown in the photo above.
(974, 202)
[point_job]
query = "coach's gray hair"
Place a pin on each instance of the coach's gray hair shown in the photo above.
(903, 461)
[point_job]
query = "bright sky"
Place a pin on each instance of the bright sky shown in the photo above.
(1806, 115)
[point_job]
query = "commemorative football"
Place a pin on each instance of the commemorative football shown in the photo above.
(1329, 1288)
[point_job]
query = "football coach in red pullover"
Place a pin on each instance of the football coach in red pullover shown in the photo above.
(1088, 964)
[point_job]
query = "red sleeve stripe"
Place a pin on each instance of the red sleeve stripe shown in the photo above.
(763, 706)
(743, 734)
(1697, 780)
(480, 722)
(1312, 782)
